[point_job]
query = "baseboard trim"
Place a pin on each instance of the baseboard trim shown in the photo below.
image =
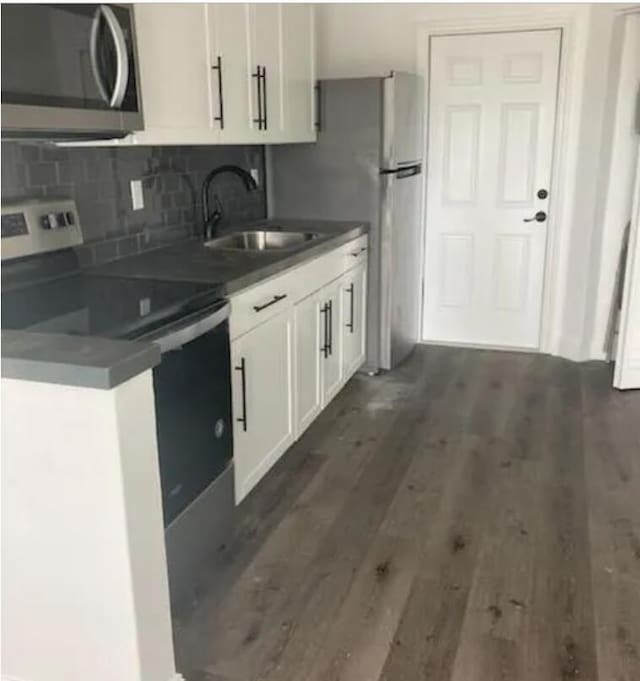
(478, 346)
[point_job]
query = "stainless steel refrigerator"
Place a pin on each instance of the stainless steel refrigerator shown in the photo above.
(366, 165)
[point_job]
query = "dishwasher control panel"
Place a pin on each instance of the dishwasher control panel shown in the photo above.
(38, 226)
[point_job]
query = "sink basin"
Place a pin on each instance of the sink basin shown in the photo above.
(261, 240)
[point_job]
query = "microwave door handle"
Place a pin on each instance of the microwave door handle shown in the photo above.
(93, 54)
(122, 57)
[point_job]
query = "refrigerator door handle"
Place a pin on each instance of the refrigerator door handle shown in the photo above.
(404, 171)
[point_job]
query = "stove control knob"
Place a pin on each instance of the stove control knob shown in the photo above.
(49, 221)
(70, 217)
(61, 220)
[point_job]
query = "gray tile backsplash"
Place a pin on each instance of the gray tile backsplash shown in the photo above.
(98, 178)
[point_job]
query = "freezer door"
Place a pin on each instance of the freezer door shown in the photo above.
(403, 139)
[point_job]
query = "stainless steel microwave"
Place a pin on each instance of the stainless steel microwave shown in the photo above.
(69, 71)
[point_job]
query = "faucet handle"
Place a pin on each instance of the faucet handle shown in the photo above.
(217, 214)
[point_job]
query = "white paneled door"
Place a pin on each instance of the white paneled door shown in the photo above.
(492, 109)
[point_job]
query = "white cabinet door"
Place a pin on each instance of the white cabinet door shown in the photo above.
(262, 393)
(298, 63)
(330, 334)
(266, 53)
(174, 66)
(354, 297)
(307, 345)
(230, 70)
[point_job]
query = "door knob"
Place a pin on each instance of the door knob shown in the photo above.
(540, 216)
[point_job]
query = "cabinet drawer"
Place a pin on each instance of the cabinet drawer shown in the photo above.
(355, 252)
(259, 303)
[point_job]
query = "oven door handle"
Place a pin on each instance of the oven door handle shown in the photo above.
(196, 326)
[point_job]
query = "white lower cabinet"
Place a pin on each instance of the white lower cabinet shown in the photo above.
(332, 369)
(354, 299)
(262, 389)
(295, 340)
(309, 327)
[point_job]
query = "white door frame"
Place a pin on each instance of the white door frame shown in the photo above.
(626, 368)
(574, 26)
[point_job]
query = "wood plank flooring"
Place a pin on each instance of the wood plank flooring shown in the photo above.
(472, 516)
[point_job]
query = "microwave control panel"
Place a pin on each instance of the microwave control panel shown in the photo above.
(38, 226)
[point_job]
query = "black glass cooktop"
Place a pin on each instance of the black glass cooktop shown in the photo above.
(111, 307)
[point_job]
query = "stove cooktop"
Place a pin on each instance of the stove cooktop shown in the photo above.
(110, 307)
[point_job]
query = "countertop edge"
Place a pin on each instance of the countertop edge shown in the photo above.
(83, 362)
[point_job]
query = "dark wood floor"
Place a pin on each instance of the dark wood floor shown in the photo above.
(473, 516)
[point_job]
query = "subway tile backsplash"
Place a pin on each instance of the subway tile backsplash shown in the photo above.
(98, 178)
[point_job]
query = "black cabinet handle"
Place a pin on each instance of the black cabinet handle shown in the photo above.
(243, 377)
(264, 97)
(273, 301)
(330, 316)
(318, 121)
(218, 68)
(350, 290)
(258, 76)
(324, 310)
(355, 254)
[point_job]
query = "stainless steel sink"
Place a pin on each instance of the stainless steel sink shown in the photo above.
(261, 240)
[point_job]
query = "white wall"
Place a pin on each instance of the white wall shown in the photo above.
(372, 39)
(368, 39)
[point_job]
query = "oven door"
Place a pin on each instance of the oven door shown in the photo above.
(192, 386)
(69, 69)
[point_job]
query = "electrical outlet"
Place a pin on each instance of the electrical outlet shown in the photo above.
(255, 174)
(137, 197)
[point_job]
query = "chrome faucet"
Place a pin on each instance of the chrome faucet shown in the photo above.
(210, 220)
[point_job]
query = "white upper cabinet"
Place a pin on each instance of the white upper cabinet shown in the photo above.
(174, 73)
(265, 48)
(299, 68)
(228, 29)
(230, 73)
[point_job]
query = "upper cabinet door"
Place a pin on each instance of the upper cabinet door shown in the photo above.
(265, 55)
(298, 41)
(230, 70)
(174, 69)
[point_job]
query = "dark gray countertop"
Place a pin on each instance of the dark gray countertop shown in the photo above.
(234, 270)
(83, 361)
(103, 363)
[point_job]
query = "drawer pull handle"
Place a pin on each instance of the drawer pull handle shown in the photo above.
(273, 301)
(355, 254)
(243, 377)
